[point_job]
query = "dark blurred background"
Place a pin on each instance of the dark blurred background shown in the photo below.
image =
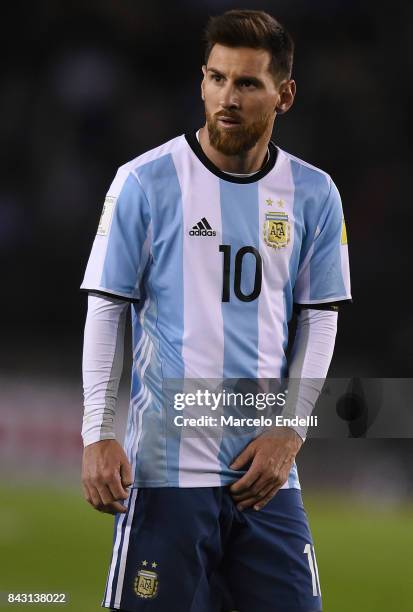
(87, 86)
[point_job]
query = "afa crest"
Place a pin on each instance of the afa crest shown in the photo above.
(146, 583)
(276, 229)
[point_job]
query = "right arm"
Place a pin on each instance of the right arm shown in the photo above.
(106, 472)
(120, 252)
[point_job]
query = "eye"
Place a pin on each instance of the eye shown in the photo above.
(216, 78)
(247, 84)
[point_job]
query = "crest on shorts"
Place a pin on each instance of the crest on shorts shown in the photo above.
(146, 582)
(276, 229)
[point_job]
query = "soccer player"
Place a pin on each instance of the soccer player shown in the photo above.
(211, 240)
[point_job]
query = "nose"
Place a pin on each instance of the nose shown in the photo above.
(229, 97)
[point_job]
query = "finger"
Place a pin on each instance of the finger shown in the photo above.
(246, 481)
(86, 493)
(243, 458)
(93, 497)
(126, 474)
(260, 505)
(113, 508)
(253, 500)
(105, 495)
(262, 483)
(116, 489)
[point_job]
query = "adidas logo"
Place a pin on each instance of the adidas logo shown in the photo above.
(202, 228)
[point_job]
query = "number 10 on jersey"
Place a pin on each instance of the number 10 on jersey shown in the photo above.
(237, 275)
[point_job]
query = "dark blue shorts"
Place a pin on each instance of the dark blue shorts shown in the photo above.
(191, 550)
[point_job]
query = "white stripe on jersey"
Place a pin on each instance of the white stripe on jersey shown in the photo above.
(202, 298)
(271, 310)
(202, 302)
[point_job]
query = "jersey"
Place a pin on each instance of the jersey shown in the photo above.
(212, 264)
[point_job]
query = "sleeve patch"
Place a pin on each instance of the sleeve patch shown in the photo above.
(343, 233)
(106, 216)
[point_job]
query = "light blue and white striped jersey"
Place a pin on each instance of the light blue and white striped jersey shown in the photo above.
(212, 264)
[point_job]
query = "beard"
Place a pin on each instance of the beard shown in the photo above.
(236, 140)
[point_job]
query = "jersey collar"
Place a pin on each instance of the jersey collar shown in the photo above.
(197, 149)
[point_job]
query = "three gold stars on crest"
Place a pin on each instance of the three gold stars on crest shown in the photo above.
(279, 202)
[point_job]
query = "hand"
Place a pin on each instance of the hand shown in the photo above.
(272, 455)
(106, 474)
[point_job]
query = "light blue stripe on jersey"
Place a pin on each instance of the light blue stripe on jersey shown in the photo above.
(322, 209)
(165, 316)
(326, 277)
(293, 481)
(240, 228)
(136, 382)
(151, 455)
(305, 182)
(128, 231)
(137, 337)
(306, 211)
(146, 386)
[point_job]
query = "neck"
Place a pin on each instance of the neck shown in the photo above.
(244, 163)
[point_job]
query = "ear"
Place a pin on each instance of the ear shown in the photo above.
(204, 70)
(287, 91)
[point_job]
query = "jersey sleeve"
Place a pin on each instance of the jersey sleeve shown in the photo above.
(324, 275)
(121, 246)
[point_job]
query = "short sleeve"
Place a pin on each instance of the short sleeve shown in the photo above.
(121, 246)
(324, 275)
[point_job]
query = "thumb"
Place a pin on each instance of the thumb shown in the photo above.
(126, 473)
(243, 458)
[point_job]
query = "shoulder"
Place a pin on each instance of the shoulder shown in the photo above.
(168, 148)
(308, 177)
(128, 174)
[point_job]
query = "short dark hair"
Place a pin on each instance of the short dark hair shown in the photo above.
(254, 29)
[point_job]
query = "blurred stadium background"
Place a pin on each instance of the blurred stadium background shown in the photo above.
(88, 86)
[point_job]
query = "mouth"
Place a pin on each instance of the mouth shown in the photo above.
(228, 122)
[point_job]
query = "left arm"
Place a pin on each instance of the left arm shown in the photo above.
(272, 455)
(323, 279)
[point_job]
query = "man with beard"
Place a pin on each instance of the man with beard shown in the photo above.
(214, 238)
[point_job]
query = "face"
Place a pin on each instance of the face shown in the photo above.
(241, 98)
